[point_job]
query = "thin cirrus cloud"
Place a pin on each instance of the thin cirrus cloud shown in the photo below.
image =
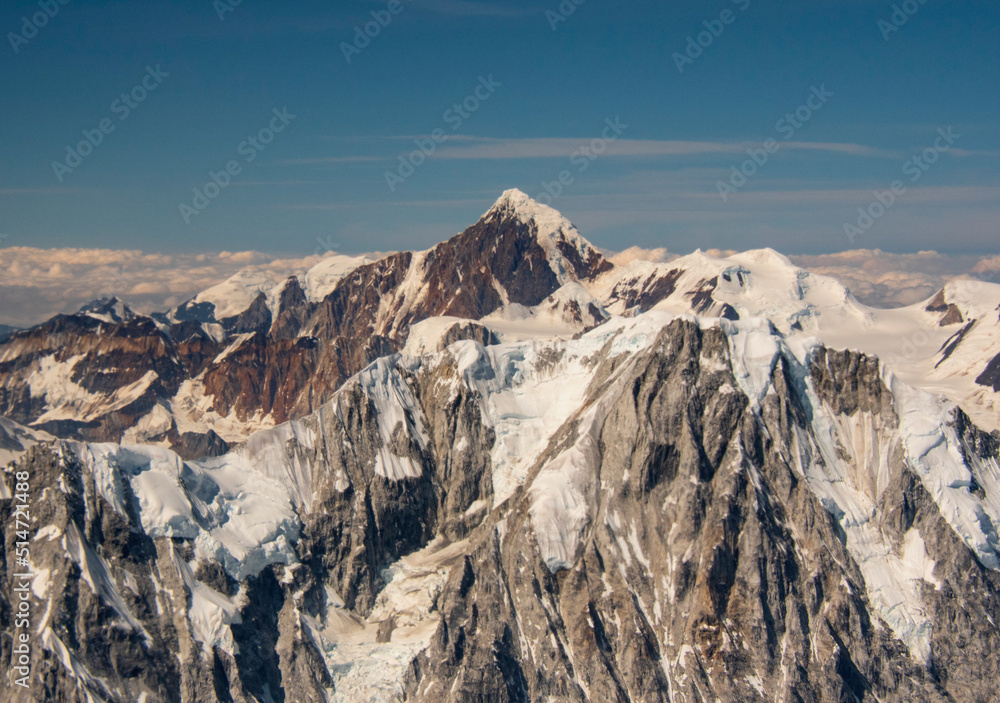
(471, 8)
(483, 148)
(334, 160)
(44, 191)
(561, 147)
(961, 153)
(859, 196)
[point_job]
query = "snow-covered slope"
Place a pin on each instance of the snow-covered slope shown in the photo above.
(259, 349)
(354, 538)
(235, 295)
(323, 278)
(232, 512)
(913, 341)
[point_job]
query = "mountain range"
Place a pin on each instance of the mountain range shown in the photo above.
(509, 469)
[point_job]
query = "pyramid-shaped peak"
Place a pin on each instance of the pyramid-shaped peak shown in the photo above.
(516, 198)
(521, 205)
(566, 250)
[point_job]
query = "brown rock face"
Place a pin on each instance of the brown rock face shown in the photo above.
(103, 360)
(640, 295)
(288, 366)
(476, 333)
(938, 303)
(701, 565)
(990, 376)
(952, 315)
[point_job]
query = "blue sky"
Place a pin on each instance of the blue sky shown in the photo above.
(552, 92)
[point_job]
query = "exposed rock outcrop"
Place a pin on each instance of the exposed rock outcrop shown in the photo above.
(699, 514)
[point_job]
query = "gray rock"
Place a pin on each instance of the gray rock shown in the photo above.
(706, 567)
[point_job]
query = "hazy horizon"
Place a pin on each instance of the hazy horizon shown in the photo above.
(391, 129)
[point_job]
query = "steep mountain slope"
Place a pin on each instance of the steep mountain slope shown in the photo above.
(945, 344)
(662, 509)
(243, 356)
(236, 357)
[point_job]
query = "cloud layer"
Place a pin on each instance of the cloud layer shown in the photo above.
(36, 284)
(881, 279)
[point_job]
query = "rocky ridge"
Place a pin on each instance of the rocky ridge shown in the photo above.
(706, 509)
(235, 359)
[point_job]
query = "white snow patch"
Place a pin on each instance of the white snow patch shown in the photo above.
(397, 410)
(210, 613)
(323, 278)
(933, 450)
(249, 518)
(365, 670)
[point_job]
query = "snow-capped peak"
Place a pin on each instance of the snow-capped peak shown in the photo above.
(323, 278)
(974, 297)
(554, 233)
(108, 310)
(768, 256)
(519, 204)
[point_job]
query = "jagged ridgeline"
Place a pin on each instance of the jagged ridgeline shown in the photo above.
(660, 509)
(247, 355)
(563, 480)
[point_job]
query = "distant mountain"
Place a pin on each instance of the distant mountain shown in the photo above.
(6, 331)
(111, 310)
(505, 469)
(238, 358)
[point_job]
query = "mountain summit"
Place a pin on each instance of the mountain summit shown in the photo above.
(242, 356)
(112, 309)
(503, 469)
(570, 255)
